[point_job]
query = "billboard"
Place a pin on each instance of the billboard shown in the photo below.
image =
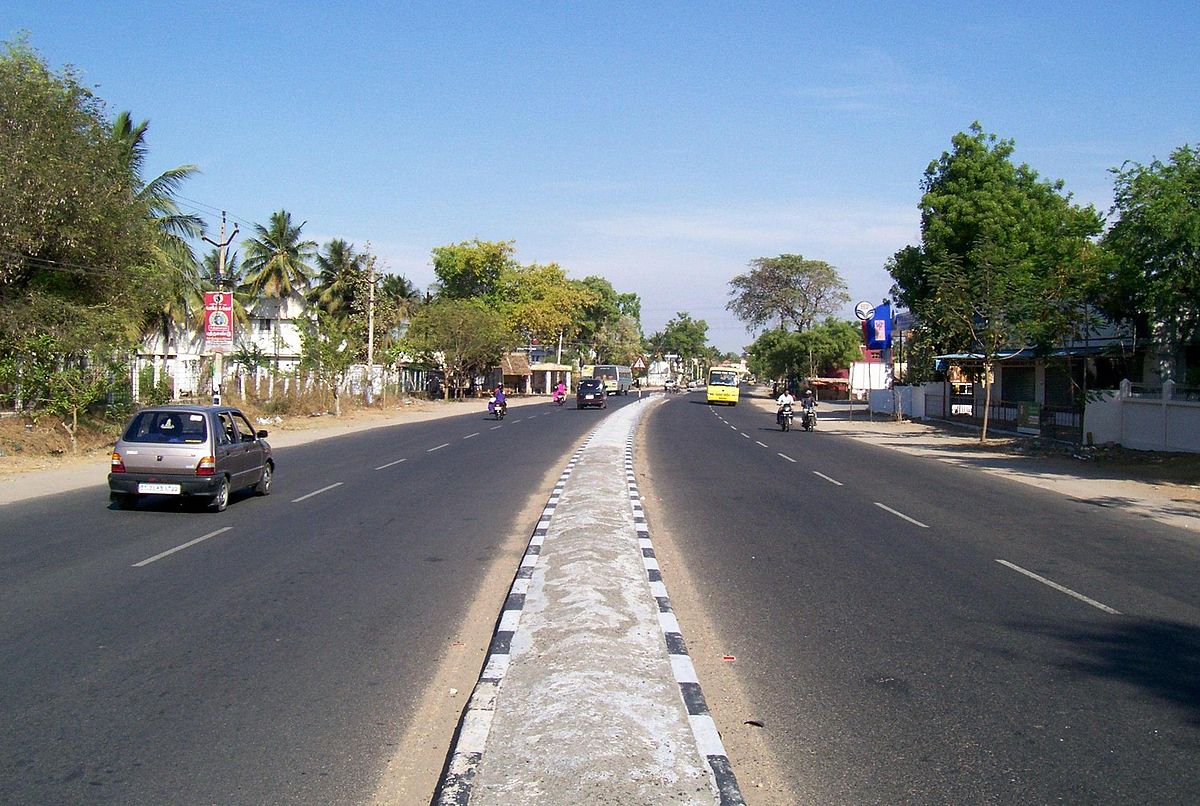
(218, 321)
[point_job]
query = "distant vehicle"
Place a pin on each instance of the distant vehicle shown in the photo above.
(591, 392)
(617, 379)
(723, 386)
(196, 452)
(695, 384)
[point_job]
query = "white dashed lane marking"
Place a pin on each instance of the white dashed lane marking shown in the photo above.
(468, 436)
(1059, 588)
(389, 464)
(169, 552)
(785, 456)
(438, 447)
(756, 442)
(901, 515)
(316, 492)
(831, 481)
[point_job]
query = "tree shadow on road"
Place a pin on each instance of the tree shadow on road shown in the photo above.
(1161, 658)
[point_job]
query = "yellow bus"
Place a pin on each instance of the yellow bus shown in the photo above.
(722, 386)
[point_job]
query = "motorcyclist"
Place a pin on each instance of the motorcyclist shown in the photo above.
(785, 399)
(808, 405)
(498, 400)
(560, 391)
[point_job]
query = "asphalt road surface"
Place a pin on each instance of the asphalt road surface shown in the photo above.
(914, 632)
(268, 654)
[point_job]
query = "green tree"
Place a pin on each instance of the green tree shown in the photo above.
(540, 302)
(813, 353)
(473, 269)
(463, 337)
(329, 347)
(340, 273)
(76, 240)
(789, 288)
(682, 336)
(1156, 241)
(277, 264)
(1003, 257)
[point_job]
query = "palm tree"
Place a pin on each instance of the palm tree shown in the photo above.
(172, 228)
(277, 265)
(341, 273)
(400, 290)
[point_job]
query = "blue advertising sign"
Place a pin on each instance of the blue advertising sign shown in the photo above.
(879, 328)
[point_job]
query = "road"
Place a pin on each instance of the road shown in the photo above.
(898, 629)
(272, 653)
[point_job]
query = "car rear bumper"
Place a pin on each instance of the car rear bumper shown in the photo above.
(127, 483)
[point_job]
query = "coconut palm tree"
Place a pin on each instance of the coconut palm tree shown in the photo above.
(341, 272)
(172, 228)
(277, 265)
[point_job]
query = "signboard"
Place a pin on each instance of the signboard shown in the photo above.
(218, 321)
(638, 363)
(864, 310)
(1029, 418)
(879, 328)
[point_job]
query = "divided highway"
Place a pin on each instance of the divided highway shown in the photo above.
(272, 653)
(914, 632)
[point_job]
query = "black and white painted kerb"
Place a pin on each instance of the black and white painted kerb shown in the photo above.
(588, 694)
(708, 739)
(455, 785)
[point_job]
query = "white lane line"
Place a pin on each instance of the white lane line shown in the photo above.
(901, 515)
(785, 456)
(169, 552)
(468, 436)
(831, 481)
(389, 464)
(316, 492)
(438, 447)
(743, 433)
(734, 427)
(756, 442)
(1060, 588)
(494, 427)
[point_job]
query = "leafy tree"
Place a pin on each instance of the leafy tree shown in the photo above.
(788, 287)
(329, 347)
(1156, 241)
(463, 337)
(816, 352)
(75, 239)
(682, 336)
(473, 269)
(539, 300)
(608, 328)
(401, 291)
(1003, 255)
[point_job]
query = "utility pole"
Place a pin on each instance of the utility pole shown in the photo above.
(222, 282)
(370, 327)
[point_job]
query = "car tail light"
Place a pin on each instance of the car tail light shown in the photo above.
(118, 466)
(207, 466)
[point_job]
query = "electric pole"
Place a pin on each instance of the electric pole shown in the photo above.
(370, 328)
(222, 282)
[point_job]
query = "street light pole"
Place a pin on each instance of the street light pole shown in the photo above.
(222, 282)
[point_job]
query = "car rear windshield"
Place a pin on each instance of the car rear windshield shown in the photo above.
(183, 427)
(589, 385)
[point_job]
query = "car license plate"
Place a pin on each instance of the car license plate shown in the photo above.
(588, 397)
(159, 489)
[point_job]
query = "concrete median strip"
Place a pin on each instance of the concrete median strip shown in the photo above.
(588, 694)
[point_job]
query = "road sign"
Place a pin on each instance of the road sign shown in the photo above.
(864, 310)
(638, 363)
(218, 321)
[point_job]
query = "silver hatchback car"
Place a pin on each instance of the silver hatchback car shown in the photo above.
(198, 452)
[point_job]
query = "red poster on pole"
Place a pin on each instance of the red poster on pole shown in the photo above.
(218, 321)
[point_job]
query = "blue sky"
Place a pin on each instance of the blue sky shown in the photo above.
(661, 145)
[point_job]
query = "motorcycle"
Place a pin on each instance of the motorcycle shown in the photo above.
(808, 419)
(559, 399)
(784, 417)
(497, 410)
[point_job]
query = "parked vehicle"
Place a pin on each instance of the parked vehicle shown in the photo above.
(784, 417)
(196, 452)
(591, 392)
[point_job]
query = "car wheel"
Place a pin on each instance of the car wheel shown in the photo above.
(122, 500)
(264, 484)
(221, 500)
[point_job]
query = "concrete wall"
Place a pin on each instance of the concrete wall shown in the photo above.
(911, 400)
(1142, 422)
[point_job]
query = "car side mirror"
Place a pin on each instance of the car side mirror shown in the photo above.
(262, 433)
